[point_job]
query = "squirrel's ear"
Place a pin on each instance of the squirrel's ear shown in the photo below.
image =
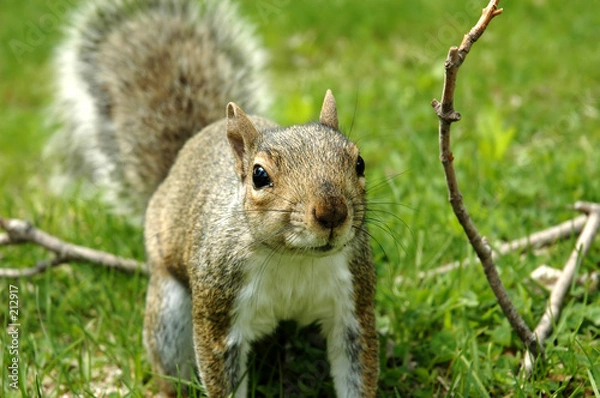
(328, 115)
(242, 136)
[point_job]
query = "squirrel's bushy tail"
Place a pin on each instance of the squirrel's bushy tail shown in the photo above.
(137, 78)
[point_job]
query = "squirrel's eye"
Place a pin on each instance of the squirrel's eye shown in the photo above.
(360, 167)
(260, 177)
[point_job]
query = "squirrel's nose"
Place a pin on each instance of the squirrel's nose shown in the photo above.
(330, 212)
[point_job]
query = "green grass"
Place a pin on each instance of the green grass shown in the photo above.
(527, 147)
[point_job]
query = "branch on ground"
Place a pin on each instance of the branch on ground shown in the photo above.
(558, 293)
(546, 237)
(447, 115)
(21, 232)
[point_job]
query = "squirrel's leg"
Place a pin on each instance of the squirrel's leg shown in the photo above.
(353, 351)
(221, 356)
(168, 329)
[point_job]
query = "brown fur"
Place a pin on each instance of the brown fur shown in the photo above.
(247, 223)
(137, 79)
(193, 237)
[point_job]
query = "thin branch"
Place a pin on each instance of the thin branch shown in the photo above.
(558, 293)
(447, 115)
(19, 231)
(587, 207)
(546, 237)
(536, 240)
(39, 268)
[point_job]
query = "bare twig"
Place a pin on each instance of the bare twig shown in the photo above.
(587, 207)
(554, 305)
(447, 115)
(539, 239)
(38, 268)
(546, 237)
(19, 231)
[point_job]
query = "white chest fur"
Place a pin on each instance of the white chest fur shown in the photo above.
(301, 288)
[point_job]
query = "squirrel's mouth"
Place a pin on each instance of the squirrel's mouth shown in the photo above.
(327, 249)
(308, 242)
(324, 249)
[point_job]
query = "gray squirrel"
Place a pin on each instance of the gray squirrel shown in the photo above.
(246, 223)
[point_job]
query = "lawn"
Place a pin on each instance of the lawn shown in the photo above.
(526, 149)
